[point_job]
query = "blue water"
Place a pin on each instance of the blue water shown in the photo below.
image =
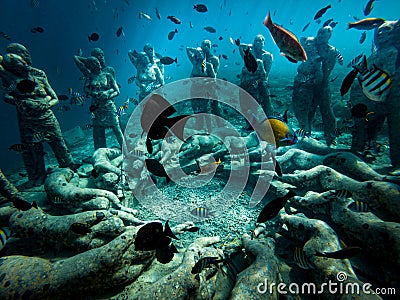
(68, 23)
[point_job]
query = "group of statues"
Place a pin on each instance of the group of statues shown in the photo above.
(28, 89)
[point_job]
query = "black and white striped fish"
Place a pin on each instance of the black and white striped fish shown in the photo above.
(355, 60)
(201, 212)
(339, 57)
(375, 83)
(342, 193)
(301, 259)
(359, 206)
(5, 36)
(77, 98)
(4, 235)
(301, 133)
(38, 137)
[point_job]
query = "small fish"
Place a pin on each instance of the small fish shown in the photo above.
(121, 111)
(355, 60)
(166, 254)
(327, 22)
(368, 7)
(171, 34)
(26, 86)
(237, 42)
(143, 15)
(200, 8)
(94, 37)
(339, 57)
(224, 56)
(301, 259)
(205, 262)
(158, 14)
(192, 229)
(249, 61)
(204, 65)
(359, 206)
(132, 100)
(166, 60)
(23, 204)
(5, 36)
(321, 12)
(306, 26)
(76, 98)
(156, 168)
(363, 37)
(38, 137)
(333, 24)
(120, 31)
(283, 134)
(18, 148)
(286, 41)
(345, 253)
(208, 168)
(366, 24)
(131, 79)
(174, 19)
(4, 235)
(272, 209)
(80, 228)
(152, 236)
(348, 82)
(202, 212)
(210, 29)
(301, 133)
(220, 38)
(190, 24)
(37, 29)
(342, 193)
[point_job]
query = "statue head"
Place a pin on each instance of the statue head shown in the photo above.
(99, 54)
(259, 42)
(93, 64)
(206, 46)
(15, 64)
(323, 35)
(20, 50)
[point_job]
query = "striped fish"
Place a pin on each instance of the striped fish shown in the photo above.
(77, 98)
(38, 137)
(201, 212)
(339, 57)
(4, 235)
(342, 193)
(355, 60)
(301, 133)
(375, 84)
(5, 36)
(301, 259)
(359, 206)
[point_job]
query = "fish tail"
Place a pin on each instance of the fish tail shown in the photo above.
(349, 25)
(176, 60)
(267, 21)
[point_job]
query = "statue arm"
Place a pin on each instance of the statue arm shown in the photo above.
(80, 63)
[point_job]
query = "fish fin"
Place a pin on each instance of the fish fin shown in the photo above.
(268, 21)
(319, 254)
(149, 146)
(289, 58)
(168, 232)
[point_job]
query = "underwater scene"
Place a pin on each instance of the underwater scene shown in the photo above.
(212, 149)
